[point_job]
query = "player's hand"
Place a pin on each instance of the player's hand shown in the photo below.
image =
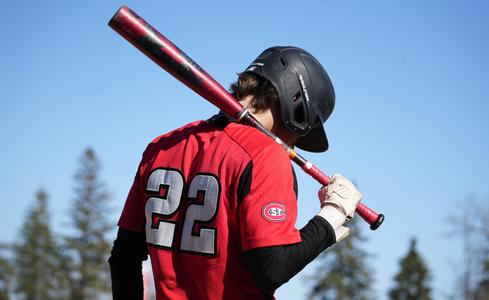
(341, 194)
(339, 200)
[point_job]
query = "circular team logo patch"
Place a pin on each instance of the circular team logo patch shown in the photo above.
(274, 212)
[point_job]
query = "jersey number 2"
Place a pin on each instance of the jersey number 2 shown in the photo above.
(162, 231)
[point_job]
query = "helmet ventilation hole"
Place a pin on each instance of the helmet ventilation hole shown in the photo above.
(283, 61)
(297, 96)
(299, 116)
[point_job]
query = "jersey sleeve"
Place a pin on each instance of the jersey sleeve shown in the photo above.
(132, 217)
(268, 212)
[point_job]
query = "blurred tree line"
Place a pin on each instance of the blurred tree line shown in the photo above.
(343, 271)
(471, 226)
(42, 264)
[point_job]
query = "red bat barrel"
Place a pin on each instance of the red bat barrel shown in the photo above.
(164, 53)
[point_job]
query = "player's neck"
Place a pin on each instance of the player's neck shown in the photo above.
(270, 119)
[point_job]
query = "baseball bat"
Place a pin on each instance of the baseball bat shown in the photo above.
(168, 56)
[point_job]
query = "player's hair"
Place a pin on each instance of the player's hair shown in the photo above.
(262, 91)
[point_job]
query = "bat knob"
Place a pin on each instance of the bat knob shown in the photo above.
(378, 222)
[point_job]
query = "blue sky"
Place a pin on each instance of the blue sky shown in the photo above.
(410, 123)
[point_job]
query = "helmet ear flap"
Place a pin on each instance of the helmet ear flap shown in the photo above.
(318, 122)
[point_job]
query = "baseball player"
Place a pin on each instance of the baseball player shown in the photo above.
(214, 203)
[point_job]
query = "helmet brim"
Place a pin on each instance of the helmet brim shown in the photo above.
(314, 141)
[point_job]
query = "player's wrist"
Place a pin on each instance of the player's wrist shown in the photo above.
(333, 216)
(336, 219)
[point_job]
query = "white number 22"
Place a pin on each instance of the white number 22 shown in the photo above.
(162, 231)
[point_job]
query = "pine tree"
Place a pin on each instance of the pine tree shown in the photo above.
(88, 245)
(482, 230)
(482, 289)
(37, 256)
(413, 280)
(6, 275)
(344, 273)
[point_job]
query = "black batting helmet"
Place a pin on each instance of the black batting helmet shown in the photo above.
(304, 89)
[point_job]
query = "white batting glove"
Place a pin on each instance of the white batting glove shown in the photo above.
(339, 200)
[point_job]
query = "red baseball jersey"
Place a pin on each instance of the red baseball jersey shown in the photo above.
(204, 194)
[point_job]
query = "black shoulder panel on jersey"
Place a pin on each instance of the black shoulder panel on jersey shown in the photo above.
(219, 120)
(244, 184)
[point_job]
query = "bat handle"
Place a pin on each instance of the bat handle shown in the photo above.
(368, 214)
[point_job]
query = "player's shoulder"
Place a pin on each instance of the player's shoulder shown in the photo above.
(181, 132)
(175, 136)
(255, 143)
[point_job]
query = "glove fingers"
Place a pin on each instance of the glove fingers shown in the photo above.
(322, 194)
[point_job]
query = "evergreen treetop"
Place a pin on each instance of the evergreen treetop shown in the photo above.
(412, 282)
